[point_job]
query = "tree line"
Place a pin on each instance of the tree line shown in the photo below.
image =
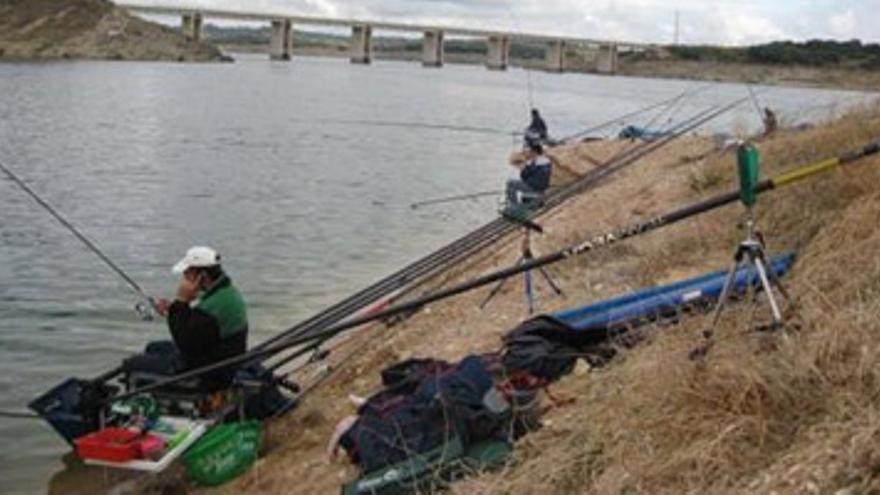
(816, 53)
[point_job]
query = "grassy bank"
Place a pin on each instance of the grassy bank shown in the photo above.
(789, 412)
(804, 76)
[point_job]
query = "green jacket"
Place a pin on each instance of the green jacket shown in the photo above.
(212, 329)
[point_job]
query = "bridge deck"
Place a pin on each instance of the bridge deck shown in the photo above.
(383, 25)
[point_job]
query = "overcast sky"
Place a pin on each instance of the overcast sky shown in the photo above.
(728, 22)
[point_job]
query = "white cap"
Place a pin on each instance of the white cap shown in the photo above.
(197, 257)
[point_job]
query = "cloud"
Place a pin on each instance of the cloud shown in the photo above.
(727, 22)
(843, 25)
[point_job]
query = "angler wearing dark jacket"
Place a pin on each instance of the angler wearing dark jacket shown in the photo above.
(536, 132)
(207, 321)
(533, 180)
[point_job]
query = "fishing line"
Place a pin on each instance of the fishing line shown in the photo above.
(620, 120)
(755, 101)
(676, 104)
(409, 125)
(19, 415)
(450, 199)
(529, 89)
(89, 244)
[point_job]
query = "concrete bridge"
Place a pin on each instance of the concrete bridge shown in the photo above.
(498, 42)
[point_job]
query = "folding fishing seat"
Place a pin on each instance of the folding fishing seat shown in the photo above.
(531, 200)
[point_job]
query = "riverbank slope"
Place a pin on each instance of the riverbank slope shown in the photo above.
(786, 412)
(90, 29)
(789, 412)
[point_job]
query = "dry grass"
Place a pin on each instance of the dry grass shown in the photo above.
(794, 412)
(754, 73)
(787, 412)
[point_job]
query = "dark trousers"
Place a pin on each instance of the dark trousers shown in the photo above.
(159, 357)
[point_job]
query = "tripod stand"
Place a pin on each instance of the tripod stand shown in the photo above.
(525, 257)
(751, 254)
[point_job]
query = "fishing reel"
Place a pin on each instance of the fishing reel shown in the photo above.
(145, 310)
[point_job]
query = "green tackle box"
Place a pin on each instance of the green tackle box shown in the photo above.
(223, 453)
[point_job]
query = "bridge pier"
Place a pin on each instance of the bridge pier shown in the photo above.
(498, 52)
(555, 56)
(606, 62)
(361, 44)
(281, 43)
(432, 49)
(191, 26)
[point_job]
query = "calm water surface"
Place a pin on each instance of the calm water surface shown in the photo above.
(268, 163)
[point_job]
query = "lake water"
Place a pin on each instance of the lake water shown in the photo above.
(273, 165)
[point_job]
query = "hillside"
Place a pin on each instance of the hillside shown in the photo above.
(89, 29)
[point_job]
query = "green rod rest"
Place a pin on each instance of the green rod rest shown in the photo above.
(748, 165)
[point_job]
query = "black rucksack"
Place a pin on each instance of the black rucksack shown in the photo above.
(547, 348)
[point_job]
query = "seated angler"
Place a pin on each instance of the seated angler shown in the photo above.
(207, 321)
(537, 131)
(534, 180)
(771, 123)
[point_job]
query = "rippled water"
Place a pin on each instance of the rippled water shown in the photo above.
(268, 163)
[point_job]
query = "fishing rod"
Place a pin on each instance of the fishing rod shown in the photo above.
(461, 197)
(609, 238)
(755, 101)
(634, 113)
(491, 232)
(422, 125)
(668, 108)
(450, 199)
(499, 228)
(19, 415)
(478, 239)
(140, 308)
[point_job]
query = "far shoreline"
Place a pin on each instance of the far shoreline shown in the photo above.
(764, 75)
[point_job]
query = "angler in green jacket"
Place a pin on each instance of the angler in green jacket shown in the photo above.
(207, 320)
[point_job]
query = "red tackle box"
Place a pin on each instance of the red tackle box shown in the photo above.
(110, 444)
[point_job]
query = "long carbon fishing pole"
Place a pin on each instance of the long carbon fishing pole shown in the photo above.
(85, 240)
(486, 233)
(450, 199)
(626, 116)
(462, 248)
(469, 244)
(461, 197)
(419, 125)
(597, 242)
(616, 120)
(667, 109)
(755, 101)
(504, 227)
